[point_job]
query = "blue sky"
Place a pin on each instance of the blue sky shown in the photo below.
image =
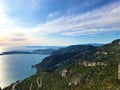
(58, 22)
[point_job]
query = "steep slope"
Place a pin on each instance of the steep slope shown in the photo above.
(73, 48)
(95, 68)
(74, 53)
(76, 77)
(65, 56)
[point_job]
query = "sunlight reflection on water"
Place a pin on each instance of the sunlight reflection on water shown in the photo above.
(4, 72)
(17, 67)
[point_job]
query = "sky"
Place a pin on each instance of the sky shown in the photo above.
(58, 22)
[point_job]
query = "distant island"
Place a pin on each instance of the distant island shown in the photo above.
(37, 51)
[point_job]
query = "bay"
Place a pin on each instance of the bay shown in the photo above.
(17, 66)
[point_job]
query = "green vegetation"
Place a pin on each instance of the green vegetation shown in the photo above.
(91, 78)
(67, 73)
(75, 53)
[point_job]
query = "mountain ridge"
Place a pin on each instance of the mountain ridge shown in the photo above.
(77, 53)
(94, 68)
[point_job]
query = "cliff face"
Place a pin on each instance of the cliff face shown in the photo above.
(93, 68)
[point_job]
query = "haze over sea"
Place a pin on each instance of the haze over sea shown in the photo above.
(17, 66)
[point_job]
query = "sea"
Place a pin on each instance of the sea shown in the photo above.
(15, 67)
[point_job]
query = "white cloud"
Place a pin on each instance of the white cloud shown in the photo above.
(54, 14)
(93, 22)
(104, 19)
(9, 27)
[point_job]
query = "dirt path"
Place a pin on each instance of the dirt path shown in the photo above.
(30, 86)
(39, 81)
(13, 87)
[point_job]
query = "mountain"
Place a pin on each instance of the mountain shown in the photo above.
(76, 76)
(44, 51)
(95, 44)
(37, 51)
(74, 53)
(72, 49)
(45, 47)
(76, 68)
(64, 56)
(16, 52)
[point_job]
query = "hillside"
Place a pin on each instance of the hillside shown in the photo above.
(73, 77)
(37, 51)
(75, 68)
(65, 56)
(74, 53)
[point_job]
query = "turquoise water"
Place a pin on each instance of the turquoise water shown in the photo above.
(17, 67)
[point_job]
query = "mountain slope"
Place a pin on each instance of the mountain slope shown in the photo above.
(65, 56)
(94, 68)
(74, 53)
(78, 77)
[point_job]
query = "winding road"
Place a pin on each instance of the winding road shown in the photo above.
(13, 87)
(31, 86)
(39, 81)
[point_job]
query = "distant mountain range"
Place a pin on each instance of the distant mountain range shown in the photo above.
(94, 44)
(37, 51)
(57, 47)
(45, 47)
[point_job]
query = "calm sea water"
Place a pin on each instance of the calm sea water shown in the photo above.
(17, 67)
